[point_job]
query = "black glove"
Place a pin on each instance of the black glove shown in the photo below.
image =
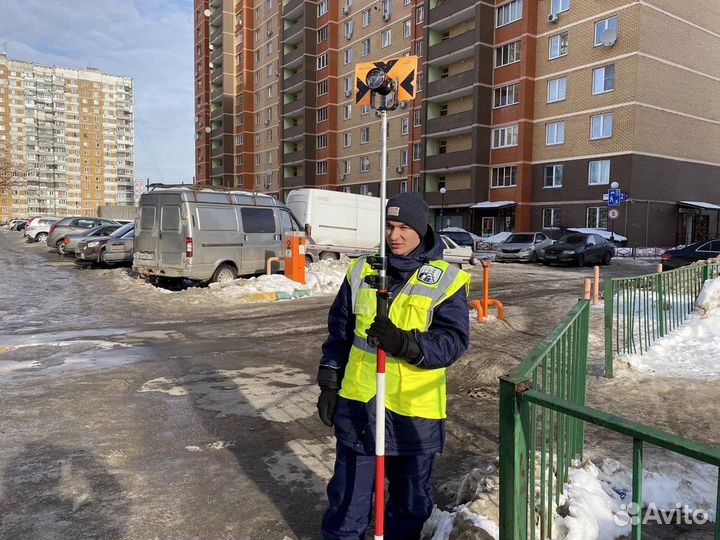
(327, 379)
(392, 340)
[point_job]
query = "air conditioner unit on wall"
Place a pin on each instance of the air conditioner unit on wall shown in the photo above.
(343, 176)
(403, 104)
(346, 9)
(386, 17)
(348, 93)
(399, 168)
(553, 18)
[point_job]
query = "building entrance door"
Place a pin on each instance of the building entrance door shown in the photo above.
(488, 226)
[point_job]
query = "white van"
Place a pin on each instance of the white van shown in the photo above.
(208, 235)
(337, 222)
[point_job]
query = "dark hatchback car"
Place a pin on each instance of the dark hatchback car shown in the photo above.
(699, 251)
(113, 249)
(579, 249)
(71, 241)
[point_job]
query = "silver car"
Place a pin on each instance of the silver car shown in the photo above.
(73, 225)
(71, 241)
(522, 247)
(37, 229)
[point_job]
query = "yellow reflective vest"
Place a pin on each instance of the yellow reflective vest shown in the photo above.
(410, 390)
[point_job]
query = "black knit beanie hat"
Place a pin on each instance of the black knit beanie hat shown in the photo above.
(409, 208)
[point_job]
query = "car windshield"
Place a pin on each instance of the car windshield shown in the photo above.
(122, 230)
(519, 239)
(459, 238)
(573, 239)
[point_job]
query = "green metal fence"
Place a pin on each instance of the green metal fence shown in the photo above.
(542, 418)
(639, 310)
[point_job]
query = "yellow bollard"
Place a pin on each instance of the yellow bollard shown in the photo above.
(659, 268)
(586, 289)
(596, 286)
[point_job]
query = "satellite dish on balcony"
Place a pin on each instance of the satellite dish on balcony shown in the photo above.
(212, 46)
(608, 37)
(207, 129)
(211, 65)
(207, 12)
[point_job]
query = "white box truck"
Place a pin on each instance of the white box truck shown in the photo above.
(337, 222)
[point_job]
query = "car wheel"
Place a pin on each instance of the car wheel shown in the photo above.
(606, 258)
(308, 261)
(581, 260)
(41, 237)
(328, 256)
(224, 274)
(101, 257)
(60, 247)
(533, 257)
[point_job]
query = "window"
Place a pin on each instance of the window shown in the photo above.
(258, 220)
(346, 166)
(551, 218)
(407, 28)
(416, 184)
(322, 114)
(403, 157)
(349, 25)
(505, 136)
(599, 172)
(417, 152)
(444, 72)
(419, 48)
(556, 90)
(604, 79)
(507, 54)
(404, 125)
(348, 84)
(555, 133)
(597, 217)
(365, 47)
(419, 14)
(269, 48)
(347, 139)
(601, 26)
(348, 55)
(386, 38)
(366, 17)
(558, 45)
(442, 146)
(364, 164)
(403, 186)
(322, 8)
(364, 135)
(321, 141)
(322, 88)
(322, 34)
(347, 112)
(322, 61)
(507, 95)
(364, 110)
(553, 176)
(364, 190)
(504, 177)
(321, 167)
(558, 6)
(508, 13)
(601, 126)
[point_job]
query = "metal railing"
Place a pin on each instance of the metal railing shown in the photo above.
(639, 310)
(532, 437)
(542, 418)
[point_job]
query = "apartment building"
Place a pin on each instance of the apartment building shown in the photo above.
(67, 137)
(526, 111)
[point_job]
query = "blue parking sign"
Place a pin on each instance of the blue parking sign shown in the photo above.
(614, 197)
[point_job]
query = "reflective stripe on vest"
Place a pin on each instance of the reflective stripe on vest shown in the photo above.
(411, 391)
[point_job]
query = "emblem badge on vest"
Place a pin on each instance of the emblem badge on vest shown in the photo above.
(429, 274)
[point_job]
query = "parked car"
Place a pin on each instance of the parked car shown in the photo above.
(37, 229)
(70, 242)
(699, 251)
(522, 247)
(462, 237)
(113, 249)
(74, 225)
(456, 254)
(579, 249)
(207, 235)
(18, 225)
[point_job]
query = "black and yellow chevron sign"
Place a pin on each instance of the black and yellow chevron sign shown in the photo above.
(402, 69)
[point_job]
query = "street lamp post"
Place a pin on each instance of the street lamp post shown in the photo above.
(443, 191)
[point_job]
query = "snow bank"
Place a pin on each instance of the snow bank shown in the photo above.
(691, 351)
(496, 238)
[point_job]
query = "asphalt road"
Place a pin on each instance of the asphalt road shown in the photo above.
(131, 412)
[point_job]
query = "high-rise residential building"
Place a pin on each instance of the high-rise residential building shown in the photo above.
(67, 137)
(527, 110)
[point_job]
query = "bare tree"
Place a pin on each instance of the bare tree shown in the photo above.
(10, 173)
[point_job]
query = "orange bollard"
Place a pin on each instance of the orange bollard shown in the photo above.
(586, 289)
(295, 256)
(483, 306)
(659, 268)
(596, 286)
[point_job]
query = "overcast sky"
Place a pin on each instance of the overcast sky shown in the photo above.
(148, 40)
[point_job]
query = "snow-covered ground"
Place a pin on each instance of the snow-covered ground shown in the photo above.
(692, 350)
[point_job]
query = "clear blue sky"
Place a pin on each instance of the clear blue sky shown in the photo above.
(148, 40)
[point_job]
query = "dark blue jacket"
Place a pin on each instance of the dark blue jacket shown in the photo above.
(445, 341)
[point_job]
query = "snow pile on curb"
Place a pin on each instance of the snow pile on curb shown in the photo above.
(693, 349)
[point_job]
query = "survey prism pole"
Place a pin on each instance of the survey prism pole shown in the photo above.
(382, 309)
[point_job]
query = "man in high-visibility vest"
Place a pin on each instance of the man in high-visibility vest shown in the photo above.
(426, 330)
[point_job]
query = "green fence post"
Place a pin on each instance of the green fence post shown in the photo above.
(637, 486)
(514, 435)
(582, 358)
(660, 302)
(705, 273)
(609, 328)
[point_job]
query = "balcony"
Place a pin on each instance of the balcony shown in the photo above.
(450, 13)
(294, 108)
(217, 114)
(294, 132)
(216, 17)
(217, 132)
(457, 123)
(217, 151)
(459, 85)
(452, 49)
(294, 33)
(294, 82)
(293, 58)
(451, 160)
(216, 55)
(292, 8)
(452, 197)
(293, 157)
(216, 35)
(290, 182)
(216, 93)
